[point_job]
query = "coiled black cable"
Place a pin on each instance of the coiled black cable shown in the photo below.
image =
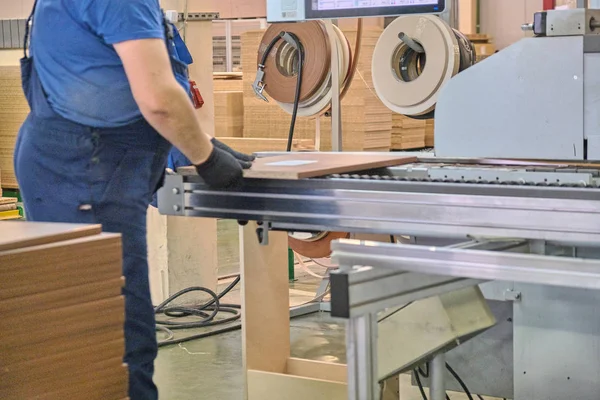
(206, 313)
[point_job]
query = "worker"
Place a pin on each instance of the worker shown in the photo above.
(108, 99)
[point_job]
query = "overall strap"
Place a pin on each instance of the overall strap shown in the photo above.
(28, 25)
(169, 35)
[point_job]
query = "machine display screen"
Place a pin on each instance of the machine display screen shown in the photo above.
(354, 8)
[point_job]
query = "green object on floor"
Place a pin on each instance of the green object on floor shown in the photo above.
(291, 263)
(15, 193)
(12, 193)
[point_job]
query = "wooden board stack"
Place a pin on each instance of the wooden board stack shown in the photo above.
(229, 113)
(227, 81)
(229, 118)
(61, 332)
(407, 133)
(229, 104)
(13, 111)
(8, 209)
(429, 131)
(484, 46)
(366, 122)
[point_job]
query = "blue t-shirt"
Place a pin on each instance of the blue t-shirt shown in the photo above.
(82, 74)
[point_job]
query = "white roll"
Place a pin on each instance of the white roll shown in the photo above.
(442, 53)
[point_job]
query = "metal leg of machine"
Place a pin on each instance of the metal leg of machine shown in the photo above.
(437, 391)
(361, 349)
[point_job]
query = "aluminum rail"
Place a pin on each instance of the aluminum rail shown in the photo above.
(553, 214)
(359, 288)
(410, 272)
(472, 264)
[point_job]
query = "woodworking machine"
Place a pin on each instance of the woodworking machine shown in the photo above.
(509, 203)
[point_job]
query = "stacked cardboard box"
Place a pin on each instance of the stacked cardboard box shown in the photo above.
(366, 122)
(13, 111)
(61, 332)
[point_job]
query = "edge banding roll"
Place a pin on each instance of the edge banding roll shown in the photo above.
(409, 82)
(316, 91)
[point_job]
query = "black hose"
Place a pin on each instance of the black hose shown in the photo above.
(420, 384)
(300, 50)
(460, 381)
(206, 313)
(296, 96)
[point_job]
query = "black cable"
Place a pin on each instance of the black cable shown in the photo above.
(460, 381)
(206, 313)
(270, 46)
(395, 312)
(418, 379)
(418, 372)
(480, 397)
(297, 95)
(300, 50)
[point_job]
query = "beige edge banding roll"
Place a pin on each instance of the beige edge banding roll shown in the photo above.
(319, 102)
(442, 51)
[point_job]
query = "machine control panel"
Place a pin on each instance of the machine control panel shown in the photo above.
(301, 10)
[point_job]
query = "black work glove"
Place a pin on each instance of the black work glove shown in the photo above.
(245, 160)
(221, 170)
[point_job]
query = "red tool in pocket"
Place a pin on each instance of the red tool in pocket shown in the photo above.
(196, 96)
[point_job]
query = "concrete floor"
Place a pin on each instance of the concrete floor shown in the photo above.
(211, 368)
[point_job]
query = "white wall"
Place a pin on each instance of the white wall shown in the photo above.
(15, 9)
(502, 19)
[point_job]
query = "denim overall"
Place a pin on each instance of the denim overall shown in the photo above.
(72, 173)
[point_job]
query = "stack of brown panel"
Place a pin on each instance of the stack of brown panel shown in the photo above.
(8, 209)
(366, 122)
(13, 111)
(61, 331)
(407, 133)
(229, 113)
(484, 45)
(429, 130)
(225, 82)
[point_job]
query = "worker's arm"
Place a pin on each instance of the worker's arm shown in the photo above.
(162, 101)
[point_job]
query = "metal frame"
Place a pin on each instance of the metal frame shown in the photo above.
(562, 215)
(529, 216)
(423, 267)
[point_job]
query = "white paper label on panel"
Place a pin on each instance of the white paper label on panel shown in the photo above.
(291, 163)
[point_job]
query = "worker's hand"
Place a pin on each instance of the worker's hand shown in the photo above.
(221, 170)
(245, 160)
